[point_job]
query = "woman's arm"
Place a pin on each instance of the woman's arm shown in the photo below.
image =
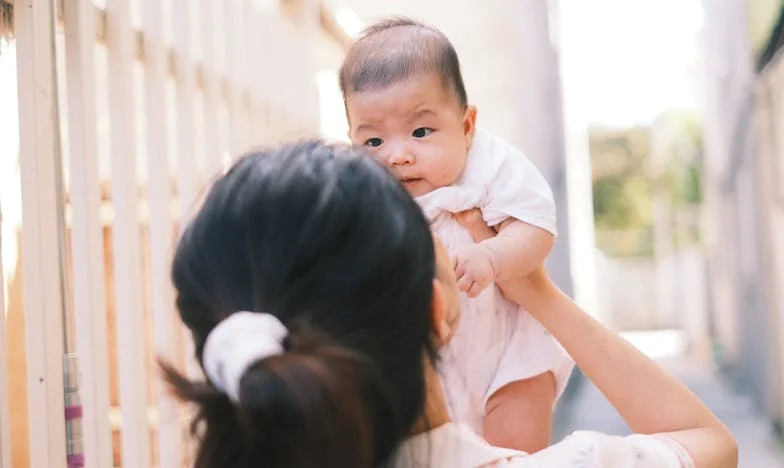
(650, 400)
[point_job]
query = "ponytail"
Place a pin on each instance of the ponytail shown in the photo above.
(312, 406)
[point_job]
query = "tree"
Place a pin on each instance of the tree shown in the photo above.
(621, 182)
(627, 172)
(6, 22)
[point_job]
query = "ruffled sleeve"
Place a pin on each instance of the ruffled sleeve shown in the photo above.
(515, 187)
(586, 449)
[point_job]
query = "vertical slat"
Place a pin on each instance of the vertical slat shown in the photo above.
(213, 154)
(86, 233)
(5, 423)
(42, 215)
(165, 323)
(127, 258)
(255, 122)
(277, 31)
(186, 155)
(186, 158)
(241, 71)
(252, 56)
(260, 67)
(233, 98)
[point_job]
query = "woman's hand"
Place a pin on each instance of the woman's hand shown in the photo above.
(519, 290)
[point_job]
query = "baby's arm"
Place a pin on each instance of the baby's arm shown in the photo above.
(517, 250)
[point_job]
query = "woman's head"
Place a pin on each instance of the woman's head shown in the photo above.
(326, 240)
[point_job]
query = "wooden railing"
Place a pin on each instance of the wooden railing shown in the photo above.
(127, 110)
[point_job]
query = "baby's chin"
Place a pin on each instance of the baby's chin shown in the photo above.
(417, 187)
(421, 187)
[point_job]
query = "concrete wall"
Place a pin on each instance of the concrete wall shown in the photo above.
(767, 132)
(743, 127)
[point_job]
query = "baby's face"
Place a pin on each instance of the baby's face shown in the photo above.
(417, 128)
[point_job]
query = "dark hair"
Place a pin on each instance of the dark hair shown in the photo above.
(325, 239)
(398, 48)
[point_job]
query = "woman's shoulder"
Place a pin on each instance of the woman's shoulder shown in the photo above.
(457, 446)
(450, 446)
(594, 449)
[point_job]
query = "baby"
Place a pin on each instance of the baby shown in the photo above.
(405, 100)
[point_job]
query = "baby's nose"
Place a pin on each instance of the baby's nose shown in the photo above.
(400, 156)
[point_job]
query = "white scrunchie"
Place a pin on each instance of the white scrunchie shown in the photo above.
(236, 343)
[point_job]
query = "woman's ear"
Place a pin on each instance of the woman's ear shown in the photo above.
(442, 328)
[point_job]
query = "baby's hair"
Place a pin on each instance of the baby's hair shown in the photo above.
(396, 49)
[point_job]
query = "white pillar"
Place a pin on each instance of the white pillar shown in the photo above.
(542, 120)
(579, 183)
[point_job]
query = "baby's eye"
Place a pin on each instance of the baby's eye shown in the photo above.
(422, 132)
(374, 142)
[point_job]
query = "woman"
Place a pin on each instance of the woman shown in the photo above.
(318, 302)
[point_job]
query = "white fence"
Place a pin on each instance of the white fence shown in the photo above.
(127, 108)
(648, 293)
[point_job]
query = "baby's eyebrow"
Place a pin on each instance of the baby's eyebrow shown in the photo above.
(366, 126)
(424, 113)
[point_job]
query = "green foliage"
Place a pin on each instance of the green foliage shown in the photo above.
(761, 20)
(622, 202)
(626, 175)
(621, 186)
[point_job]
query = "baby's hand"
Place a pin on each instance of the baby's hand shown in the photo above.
(473, 268)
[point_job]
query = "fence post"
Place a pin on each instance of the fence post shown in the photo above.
(5, 423)
(129, 306)
(92, 382)
(42, 219)
(213, 157)
(166, 324)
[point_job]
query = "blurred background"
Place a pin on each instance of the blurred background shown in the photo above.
(658, 123)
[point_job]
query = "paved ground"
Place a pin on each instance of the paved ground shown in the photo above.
(584, 407)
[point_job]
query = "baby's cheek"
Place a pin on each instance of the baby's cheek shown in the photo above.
(453, 168)
(447, 173)
(374, 153)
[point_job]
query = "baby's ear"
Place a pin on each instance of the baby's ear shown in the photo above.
(469, 125)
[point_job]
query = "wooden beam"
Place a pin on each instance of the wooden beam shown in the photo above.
(44, 232)
(333, 28)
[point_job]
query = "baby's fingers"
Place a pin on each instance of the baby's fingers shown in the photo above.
(475, 289)
(464, 283)
(458, 267)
